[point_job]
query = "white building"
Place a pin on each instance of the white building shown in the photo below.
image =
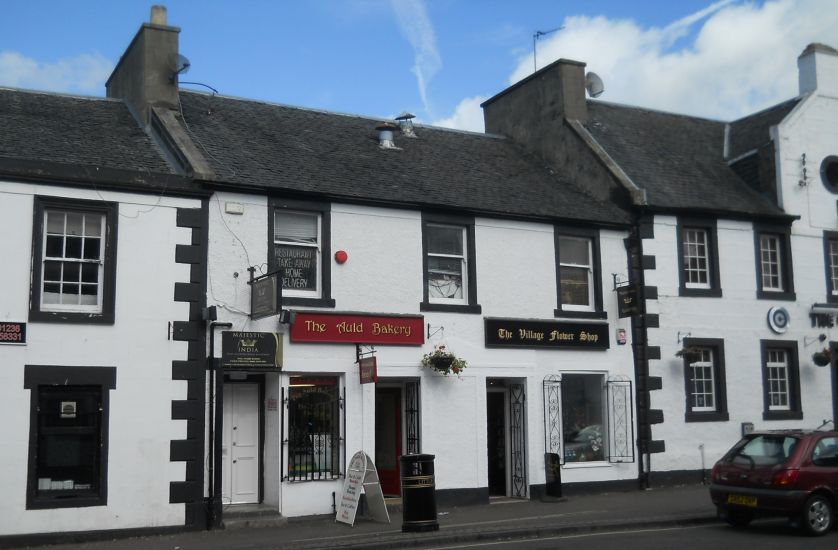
(104, 255)
(735, 231)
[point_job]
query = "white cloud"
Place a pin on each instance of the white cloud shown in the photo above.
(467, 115)
(416, 26)
(725, 61)
(85, 73)
(743, 57)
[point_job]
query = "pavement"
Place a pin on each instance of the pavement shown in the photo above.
(503, 519)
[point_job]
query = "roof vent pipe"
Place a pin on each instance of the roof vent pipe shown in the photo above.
(158, 15)
(406, 124)
(385, 135)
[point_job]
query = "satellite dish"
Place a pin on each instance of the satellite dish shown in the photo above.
(594, 85)
(179, 64)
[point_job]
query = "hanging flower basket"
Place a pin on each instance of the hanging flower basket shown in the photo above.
(443, 361)
(822, 358)
(689, 353)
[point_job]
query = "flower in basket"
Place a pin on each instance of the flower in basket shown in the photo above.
(443, 361)
(822, 358)
(690, 354)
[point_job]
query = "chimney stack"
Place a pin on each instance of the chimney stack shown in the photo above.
(145, 75)
(818, 69)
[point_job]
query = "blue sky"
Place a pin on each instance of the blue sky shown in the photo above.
(436, 58)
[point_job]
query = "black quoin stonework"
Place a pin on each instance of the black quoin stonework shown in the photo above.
(190, 491)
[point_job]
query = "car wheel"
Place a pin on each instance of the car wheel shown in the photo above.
(739, 518)
(817, 516)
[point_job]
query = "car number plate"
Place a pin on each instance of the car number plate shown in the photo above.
(742, 500)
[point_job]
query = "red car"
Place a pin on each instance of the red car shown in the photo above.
(791, 473)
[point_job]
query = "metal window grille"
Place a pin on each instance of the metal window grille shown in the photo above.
(315, 444)
(552, 390)
(411, 409)
(621, 421)
(518, 431)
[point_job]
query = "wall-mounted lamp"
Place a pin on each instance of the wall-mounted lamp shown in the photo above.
(682, 335)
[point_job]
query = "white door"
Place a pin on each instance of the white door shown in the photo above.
(240, 444)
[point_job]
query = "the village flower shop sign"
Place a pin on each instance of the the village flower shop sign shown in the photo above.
(501, 333)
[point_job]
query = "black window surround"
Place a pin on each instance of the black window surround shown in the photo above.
(38, 313)
(783, 233)
(720, 414)
(324, 210)
(831, 291)
(593, 235)
(467, 223)
(795, 411)
(709, 226)
(36, 377)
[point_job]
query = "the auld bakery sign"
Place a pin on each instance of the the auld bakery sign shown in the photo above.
(502, 333)
(251, 350)
(358, 329)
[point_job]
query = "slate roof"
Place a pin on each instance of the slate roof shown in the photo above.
(751, 132)
(256, 144)
(677, 159)
(37, 127)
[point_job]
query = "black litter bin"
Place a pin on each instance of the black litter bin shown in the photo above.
(418, 493)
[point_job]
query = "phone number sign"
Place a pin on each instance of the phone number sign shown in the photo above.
(12, 332)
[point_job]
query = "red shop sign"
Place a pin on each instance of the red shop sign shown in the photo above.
(358, 329)
(368, 369)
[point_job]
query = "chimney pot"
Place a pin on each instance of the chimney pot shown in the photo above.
(158, 15)
(385, 135)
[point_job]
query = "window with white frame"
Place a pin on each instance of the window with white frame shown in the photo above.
(583, 417)
(704, 378)
(73, 263)
(696, 257)
(770, 250)
(74, 260)
(576, 273)
(297, 252)
(447, 273)
(777, 378)
(702, 381)
(780, 380)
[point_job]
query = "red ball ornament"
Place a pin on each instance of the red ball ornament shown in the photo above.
(341, 256)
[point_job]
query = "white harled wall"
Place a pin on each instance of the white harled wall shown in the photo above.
(739, 317)
(141, 428)
(383, 275)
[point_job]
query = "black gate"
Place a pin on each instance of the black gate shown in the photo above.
(518, 437)
(411, 412)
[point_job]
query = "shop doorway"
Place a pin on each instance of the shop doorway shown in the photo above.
(505, 439)
(241, 444)
(388, 438)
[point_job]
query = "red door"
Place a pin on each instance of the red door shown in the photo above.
(388, 438)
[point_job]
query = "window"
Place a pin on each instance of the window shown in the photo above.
(583, 417)
(578, 277)
(704, 376)
(75, 250)
(830, 243)
(773, 264)
(299, 245)
(781, 388)
(68, 438)
(698, 259)
(449, 270)
(314, 435)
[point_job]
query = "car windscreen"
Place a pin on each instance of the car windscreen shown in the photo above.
(764, 449)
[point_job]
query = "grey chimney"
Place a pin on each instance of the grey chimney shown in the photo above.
(145, 75)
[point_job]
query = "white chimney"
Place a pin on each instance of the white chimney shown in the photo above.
(818, 69)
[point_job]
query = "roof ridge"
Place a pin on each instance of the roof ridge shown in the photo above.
(338, 113)
(659, 111)
(60, 94)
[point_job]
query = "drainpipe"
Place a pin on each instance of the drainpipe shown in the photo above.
(216, 419)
